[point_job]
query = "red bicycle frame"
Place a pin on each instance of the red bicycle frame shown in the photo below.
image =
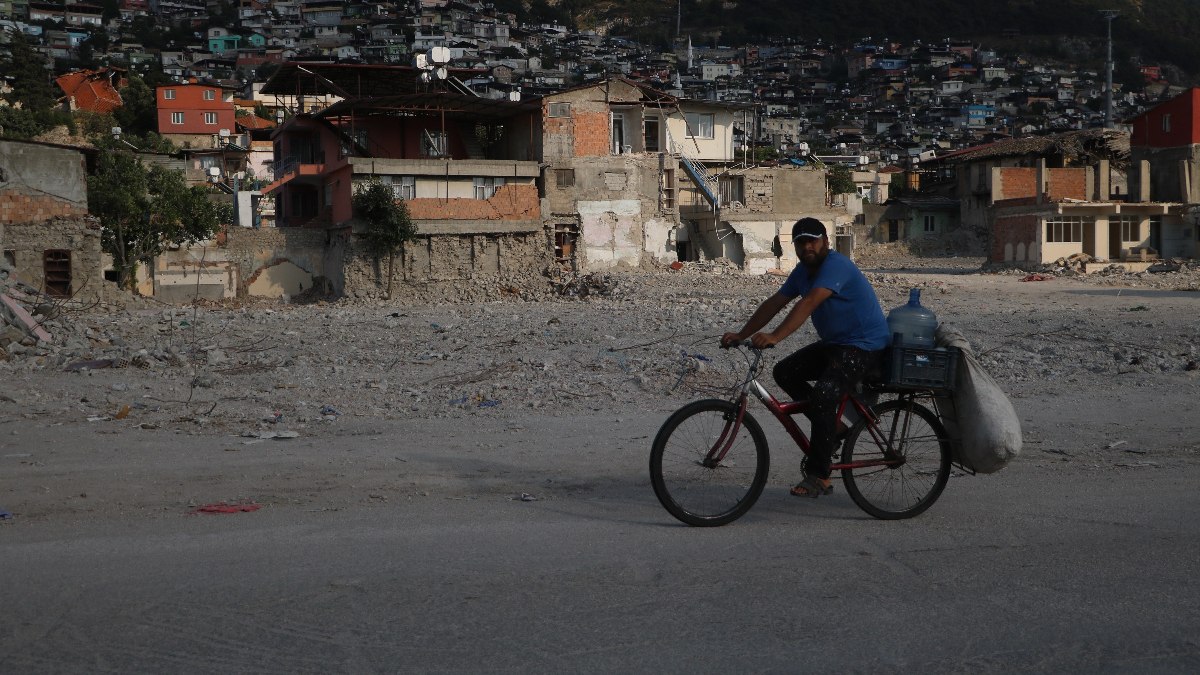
(784, 412)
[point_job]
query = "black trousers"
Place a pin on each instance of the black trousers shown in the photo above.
(833, 370)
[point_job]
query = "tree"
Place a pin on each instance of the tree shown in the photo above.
(138, 113)
(840, 180)
(389, 225)
(28, 75)
(143, 211)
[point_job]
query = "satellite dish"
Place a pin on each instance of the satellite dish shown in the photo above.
(442, 73)
(420, 61)
(116, 131)
(440, 55)
(214, 171)
(224, 133)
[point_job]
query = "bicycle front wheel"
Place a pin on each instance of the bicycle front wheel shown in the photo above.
(694, 488)
(905, 469)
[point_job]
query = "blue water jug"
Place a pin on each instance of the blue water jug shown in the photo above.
(912, 325)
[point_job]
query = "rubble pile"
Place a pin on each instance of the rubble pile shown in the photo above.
(595, 342)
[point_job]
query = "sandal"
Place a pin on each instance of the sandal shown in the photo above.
(812, 487)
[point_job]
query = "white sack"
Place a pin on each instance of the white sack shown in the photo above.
(978, 414)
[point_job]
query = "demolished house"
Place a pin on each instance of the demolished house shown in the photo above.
(49, 242)
(634, 175)
(466, 167)
(51, 248)
(1043, 199)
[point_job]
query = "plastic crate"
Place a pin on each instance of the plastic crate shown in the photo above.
(916, 368)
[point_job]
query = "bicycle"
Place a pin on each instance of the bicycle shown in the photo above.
(709, 461)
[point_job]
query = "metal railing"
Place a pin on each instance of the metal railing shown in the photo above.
(706, 182)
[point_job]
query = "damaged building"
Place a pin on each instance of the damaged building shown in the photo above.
(635, 176)
(466, 167)
(49, 243)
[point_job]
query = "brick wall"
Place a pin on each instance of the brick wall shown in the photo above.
(1013, 231)
(1067, 184)
(16, 207)
(591, 134)
(1016, 183)
(1060, 183)
(511, 202)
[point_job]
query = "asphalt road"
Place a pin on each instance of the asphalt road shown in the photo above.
(1060, 563)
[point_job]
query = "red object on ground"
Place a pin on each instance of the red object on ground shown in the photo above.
(1037, 277)
(676, 265)
(222, 507)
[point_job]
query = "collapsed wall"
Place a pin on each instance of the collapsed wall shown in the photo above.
(451, 267)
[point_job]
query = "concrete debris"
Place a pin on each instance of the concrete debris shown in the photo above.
(577, 342)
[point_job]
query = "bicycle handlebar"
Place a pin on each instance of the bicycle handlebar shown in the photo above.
(745, 343)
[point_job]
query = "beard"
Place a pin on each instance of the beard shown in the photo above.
(814, 260)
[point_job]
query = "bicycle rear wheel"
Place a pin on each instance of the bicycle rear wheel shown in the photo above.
(698, 492)
(914, 461)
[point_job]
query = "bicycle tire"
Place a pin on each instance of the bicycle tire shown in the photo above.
(908, 488)
(704, 496)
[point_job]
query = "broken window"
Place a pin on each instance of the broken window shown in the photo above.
(650, 134)
(559, 110)
(667, 194)
(433, 144)
(564, 177)
(618, 135)
(565, 235)
(56, 266)
(732, 190)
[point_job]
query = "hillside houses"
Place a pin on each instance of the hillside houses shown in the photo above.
(720, 145)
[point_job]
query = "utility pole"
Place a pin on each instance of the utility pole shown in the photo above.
(1109, 15)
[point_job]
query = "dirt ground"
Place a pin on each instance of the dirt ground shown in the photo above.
(140, 409)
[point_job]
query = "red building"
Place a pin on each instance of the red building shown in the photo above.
(1165, 139)
(192, 114)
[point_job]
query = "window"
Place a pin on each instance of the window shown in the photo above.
(1065, 228)
(169, 94)
(618, 135)
(930, 223)
(650, 134)
(403, 187)
(565, 235)
(559, 110)
(176, 118)
(667, 193)
(210, 118)
(57, 268)
(699, 125)
(433, 144)
(486, 187)
(1131, 228)
(564, 177)
(731, 188)
(210, 95)
(1166, 122)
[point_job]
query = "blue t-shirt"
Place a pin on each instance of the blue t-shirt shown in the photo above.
(852, 315)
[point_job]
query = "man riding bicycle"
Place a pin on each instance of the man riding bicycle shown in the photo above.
(853, 334)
